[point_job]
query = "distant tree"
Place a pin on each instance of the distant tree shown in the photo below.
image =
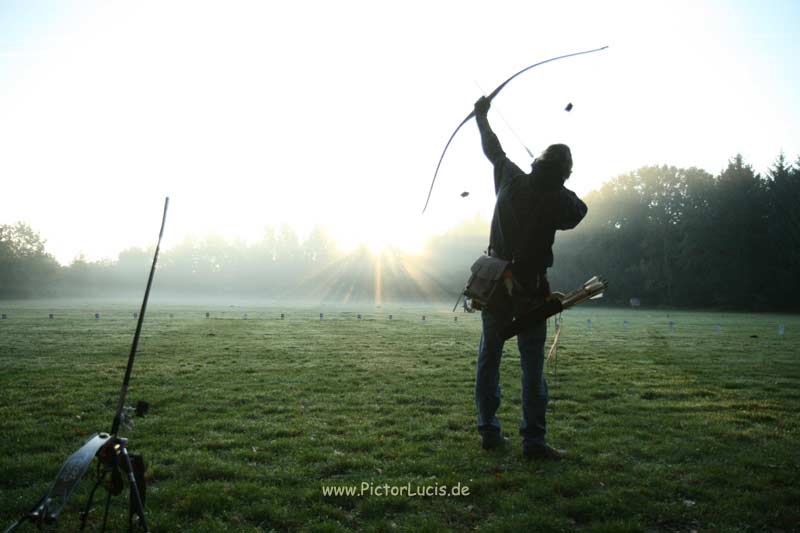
(179, 267)
(267, 245)
(664, 191)
(741, 226)
(700, 244)
(133, 265)
(287, 246)
(21, 240)
(25, 268)
(319, 248)
(783, 261)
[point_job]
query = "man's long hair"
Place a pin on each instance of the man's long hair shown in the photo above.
(553, 166)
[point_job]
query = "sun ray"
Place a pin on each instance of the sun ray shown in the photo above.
(378, 273)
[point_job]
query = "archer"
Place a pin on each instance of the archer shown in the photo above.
(529, 208)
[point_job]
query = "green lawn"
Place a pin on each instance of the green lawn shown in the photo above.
(668, 429)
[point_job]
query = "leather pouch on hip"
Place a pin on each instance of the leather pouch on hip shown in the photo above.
(486, 286)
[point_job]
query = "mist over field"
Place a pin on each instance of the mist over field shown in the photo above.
(298, 337)
(279, 267)
(666, 235)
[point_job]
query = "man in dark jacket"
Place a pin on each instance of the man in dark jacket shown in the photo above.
(528, 211)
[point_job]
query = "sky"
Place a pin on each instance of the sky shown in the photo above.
(249, 114)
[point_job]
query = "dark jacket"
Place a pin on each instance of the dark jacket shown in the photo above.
(528, 210)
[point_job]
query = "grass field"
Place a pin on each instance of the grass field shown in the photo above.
(689, 427)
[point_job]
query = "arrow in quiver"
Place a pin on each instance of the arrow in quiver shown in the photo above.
(590, 290)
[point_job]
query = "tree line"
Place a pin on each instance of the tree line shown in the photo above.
(682, 237)
(663, 235)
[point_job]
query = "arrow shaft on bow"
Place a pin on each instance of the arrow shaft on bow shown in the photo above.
(508, 125)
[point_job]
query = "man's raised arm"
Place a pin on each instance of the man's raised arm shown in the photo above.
(489, 141)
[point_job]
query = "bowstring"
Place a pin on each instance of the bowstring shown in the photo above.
(508, 125)
(553, 353)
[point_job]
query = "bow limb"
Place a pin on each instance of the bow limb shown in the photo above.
(500, 87)
(428, 199)
(490, 97)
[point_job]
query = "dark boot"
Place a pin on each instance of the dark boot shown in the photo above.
(493, 441)
(543, 451)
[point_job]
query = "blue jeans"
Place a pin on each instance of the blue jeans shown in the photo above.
(534, 387)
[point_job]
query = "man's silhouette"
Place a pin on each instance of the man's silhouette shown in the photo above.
(529, 209)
